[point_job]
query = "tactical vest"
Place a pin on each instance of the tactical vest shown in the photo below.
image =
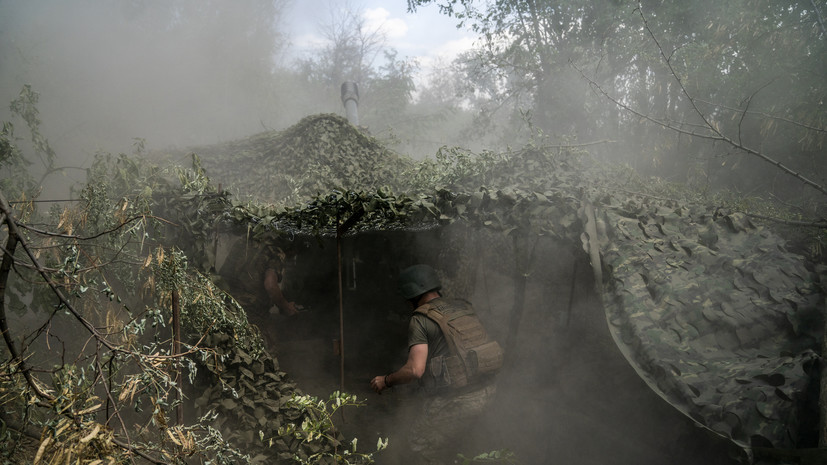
(472, 357)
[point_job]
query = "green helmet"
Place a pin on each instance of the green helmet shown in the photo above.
(417, 280)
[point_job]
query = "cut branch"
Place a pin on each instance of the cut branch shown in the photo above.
(14, 232)
(5, 267)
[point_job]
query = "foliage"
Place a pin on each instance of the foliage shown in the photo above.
(205, 309)
(385, 101)
(355, 51)
(704, 73)
(318, 424)
(127, 361)
(16, 180)
(111, 389)
(496, 456)
(318, 154)
(521, 63)
(19, 182)
(25, 106)
(114, 277)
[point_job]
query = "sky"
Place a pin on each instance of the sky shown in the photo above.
(425, 35)
(105, 79)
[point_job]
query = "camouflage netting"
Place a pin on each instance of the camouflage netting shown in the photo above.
(252, 399)
(715, 315)
(317, 155)
(710, 309)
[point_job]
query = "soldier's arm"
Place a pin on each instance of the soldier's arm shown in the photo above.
(413, 369)
(271, 285)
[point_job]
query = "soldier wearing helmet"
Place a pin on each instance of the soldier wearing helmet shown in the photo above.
(451, 404)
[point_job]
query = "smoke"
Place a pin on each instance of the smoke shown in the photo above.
(109, 72)
(172, 73)
(565, 395)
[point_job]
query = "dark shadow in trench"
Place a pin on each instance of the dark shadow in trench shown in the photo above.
(567, 395)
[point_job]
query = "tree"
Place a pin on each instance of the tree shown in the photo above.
(108, 328)
(526, 46)
(349, 52)
(722, 97)
(753, 71)
(356, 51)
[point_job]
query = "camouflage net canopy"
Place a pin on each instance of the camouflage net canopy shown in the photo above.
(710, 309)
(715, 315)
(319, 154)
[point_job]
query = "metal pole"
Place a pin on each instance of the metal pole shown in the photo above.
(341, 312)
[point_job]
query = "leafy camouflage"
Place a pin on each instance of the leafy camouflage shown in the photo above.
(710, 309)
(319, 154)
(714, 314)
(251, 399)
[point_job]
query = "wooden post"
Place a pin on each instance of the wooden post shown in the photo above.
(176, 349)
(822, 398)
(341, 315)
(341, 229)
(571, 292)
(520, 278)
(594, 245)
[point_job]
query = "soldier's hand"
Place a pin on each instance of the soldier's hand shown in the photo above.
(378, 384)
(291, 309)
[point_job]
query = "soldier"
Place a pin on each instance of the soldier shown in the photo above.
(254, 272)
(457, 389)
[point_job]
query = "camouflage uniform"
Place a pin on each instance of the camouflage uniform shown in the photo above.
(244, 270)
(447, 411)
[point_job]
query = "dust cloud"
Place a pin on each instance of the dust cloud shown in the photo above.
(565, 395)
(110, 72)
(170, 73)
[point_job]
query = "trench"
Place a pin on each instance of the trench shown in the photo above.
(566, 394)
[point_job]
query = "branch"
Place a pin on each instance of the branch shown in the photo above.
(4, 273)
(108, 390)
(83, 270)
(102, 233)
(809, 224)
(674, 73)
(138, 452)
(766, 115)
(5, 268)
(746, 109)
(14, 232)
(582, 144)
(715, 135)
